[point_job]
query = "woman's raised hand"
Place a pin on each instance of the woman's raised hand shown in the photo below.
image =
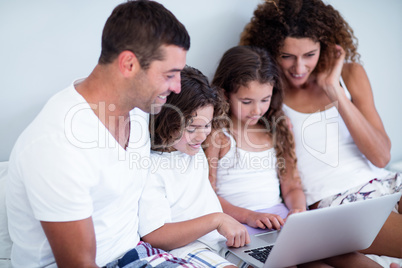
(329, 80)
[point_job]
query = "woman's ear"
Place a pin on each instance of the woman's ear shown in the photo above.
(128, 63)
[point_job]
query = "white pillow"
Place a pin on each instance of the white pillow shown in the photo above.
(5, 241)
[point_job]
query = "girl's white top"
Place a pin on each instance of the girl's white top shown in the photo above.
(248, 179)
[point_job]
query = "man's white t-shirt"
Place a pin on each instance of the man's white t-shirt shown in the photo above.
(66, 166)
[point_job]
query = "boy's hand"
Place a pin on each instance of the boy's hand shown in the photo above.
(235, 232)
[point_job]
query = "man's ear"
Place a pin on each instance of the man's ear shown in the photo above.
(128, 63)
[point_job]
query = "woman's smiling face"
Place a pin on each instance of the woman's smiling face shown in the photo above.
(298, 58)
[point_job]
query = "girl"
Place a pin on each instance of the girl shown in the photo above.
(259, 141)
(179, 210)
(247, 158)
(341, 143)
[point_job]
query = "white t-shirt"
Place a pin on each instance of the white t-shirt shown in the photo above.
(248, 179)
(66, 166)
(328, 160)
(178, 189)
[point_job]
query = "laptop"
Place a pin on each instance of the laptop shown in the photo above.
(319, 234)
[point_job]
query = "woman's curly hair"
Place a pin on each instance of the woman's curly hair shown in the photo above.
(241, 65)
(274, 20)
(168, 126)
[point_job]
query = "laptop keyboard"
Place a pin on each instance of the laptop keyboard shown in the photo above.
(260, 254)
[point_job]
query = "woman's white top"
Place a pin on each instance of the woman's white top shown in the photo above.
(329, 161)
(248, 179)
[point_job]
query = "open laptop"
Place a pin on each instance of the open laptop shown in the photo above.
(321, 233)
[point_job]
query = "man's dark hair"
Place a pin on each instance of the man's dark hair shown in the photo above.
(141, 27)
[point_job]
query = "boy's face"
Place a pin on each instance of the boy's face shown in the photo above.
(153, 85)
(196, 133)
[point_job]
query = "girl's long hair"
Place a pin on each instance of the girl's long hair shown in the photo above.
(241, 65)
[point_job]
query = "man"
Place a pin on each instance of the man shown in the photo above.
(75, 174)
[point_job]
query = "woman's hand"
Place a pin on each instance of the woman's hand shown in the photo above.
(294, 211)
(329, 80)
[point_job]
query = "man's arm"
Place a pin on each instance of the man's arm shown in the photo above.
(73, 243)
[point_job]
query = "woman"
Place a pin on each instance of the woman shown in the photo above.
(341, 143)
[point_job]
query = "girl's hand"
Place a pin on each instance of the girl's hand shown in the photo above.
(329, 80)
(235, 232)
(295, 210)
(264, 220)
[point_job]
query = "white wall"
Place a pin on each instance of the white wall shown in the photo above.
(46, 44)
(378, 27)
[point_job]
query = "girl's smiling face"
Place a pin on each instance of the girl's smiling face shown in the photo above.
(298, 58)
(195, 133)
(249, 103)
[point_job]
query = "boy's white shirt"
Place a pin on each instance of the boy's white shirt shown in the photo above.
(178, 189)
